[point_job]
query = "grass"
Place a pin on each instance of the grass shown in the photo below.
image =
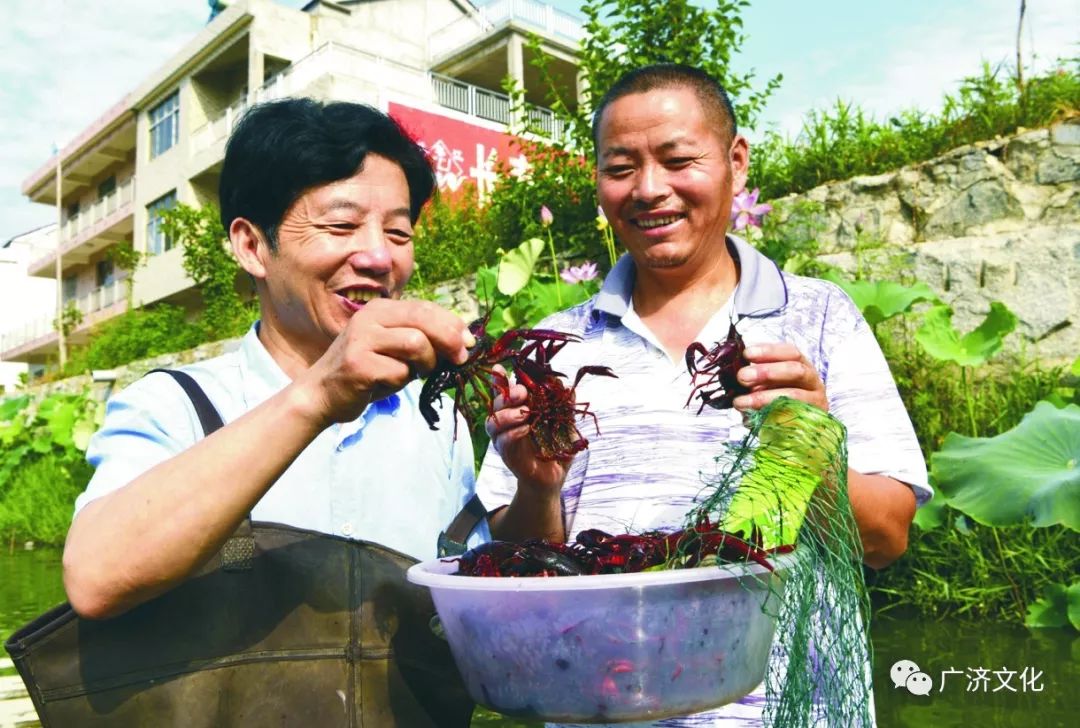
(964, 570)
(36, 503)
(844, 141)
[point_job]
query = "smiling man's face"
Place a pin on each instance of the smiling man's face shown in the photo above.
(339, 246)
(666, 176)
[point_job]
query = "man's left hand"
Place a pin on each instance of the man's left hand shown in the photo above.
(779, 370)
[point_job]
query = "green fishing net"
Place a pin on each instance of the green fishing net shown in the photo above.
(786, 483)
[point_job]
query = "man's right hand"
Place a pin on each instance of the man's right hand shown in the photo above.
(386, 345)
(536, 511)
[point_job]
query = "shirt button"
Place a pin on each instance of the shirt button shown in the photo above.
(346, 529)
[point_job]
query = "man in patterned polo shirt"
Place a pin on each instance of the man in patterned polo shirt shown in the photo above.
(669, 162)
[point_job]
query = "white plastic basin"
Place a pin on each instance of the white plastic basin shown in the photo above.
(608, 648)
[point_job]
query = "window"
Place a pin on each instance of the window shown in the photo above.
(164, 125)
(107, 187)
(106, 273)
(72, 210)
(157, 241)
(71, 288)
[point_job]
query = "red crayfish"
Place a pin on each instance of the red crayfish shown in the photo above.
(714, 371)
(552, 410)
(597, 552)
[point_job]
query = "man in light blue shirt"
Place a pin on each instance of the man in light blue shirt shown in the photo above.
(320, 402)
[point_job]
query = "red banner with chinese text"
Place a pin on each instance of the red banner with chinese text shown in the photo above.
(459, 151)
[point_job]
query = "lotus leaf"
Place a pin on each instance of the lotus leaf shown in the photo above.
(1027, 473)
(1058, 607)
(881, 300)
(941, 341)
(516, 266)
(11, 407)
(932, 514)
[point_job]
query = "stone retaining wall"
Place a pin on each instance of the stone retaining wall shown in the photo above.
(995, 220)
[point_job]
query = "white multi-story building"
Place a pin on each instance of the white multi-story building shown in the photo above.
(437, 65)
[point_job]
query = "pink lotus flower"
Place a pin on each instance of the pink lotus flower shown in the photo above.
(546, 218)
(579, 273)
(745, 210)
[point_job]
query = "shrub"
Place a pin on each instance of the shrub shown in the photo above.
(137, 334)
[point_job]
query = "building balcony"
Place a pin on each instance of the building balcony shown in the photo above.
(93, 229)
(37, 340)
(529, 14)
(333, 60)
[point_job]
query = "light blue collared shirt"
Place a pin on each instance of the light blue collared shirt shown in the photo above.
(385, 477)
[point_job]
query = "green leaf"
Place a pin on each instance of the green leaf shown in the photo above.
(61, 422)
(1075, 368)
(933, 514)
(1051, 610)
(1028, 473)
(11, 407)
(10, 432)
(81, 433)
(943, 342)
(1072, 596)
(881, 300)
(516, 267)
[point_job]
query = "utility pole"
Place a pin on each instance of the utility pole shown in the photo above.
(59, 261)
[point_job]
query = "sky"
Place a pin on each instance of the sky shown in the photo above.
(64, 62)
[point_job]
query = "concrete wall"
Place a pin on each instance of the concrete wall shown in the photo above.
(992, 221)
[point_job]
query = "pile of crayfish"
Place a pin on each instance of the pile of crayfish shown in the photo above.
(552, 407)
(597, 552)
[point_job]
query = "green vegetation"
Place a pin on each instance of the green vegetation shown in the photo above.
(42, 466)
(136, 334)
(844, 141)
(208, 259)
(1016, 476)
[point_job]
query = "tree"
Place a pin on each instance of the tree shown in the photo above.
(621, 35)
(209, 261)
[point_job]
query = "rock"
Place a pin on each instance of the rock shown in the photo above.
(983, 202)
(1066, 133)
(1035, 272)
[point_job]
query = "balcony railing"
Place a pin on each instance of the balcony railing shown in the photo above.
(79, 228)
(29, 331)
(124, 194)
(530, 13)
(491, 105)
(88, 304)
(100, 298)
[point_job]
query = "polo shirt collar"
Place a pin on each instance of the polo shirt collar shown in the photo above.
(761, 290)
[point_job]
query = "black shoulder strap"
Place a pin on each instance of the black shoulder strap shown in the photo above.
(452, 540)
(204, 408)
(238, 553)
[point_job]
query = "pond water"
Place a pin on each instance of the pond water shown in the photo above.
(1030, 679)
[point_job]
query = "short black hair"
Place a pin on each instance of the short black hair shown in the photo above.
(710, 93)
(282, 148)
